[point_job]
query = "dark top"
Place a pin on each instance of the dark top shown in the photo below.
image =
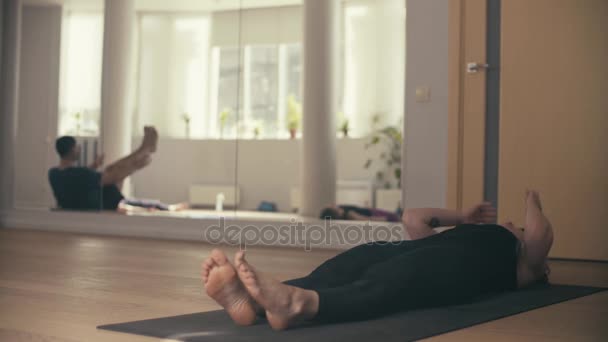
(79, 188)
(358, 210)
(493, 249)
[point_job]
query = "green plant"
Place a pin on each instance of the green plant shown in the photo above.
(186, 118)
(344, 125)
(78, 122)
(389, 139)
(294, 114)
(257, 128)
(223, 117)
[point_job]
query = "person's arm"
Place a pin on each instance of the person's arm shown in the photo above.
(97, 163)
(420, 223)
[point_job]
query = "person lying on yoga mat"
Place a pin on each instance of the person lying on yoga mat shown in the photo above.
(351, 212)
(474, 258)
(85, 188)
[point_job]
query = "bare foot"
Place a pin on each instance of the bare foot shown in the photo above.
(285, 305)
(533, 199)
(534, 210)
(150, 140)
(223, 285)
(179, 206)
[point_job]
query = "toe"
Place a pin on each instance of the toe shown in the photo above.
(218, 257)
(239, 258)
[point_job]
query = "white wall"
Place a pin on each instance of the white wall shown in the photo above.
(426, 124)
(38, 103)
(267, 169)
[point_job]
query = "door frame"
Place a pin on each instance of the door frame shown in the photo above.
(473, 103)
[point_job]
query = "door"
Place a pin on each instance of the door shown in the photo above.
(473, 89)
(554, 119)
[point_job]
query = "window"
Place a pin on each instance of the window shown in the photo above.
(271, 75)
(225, 105)
(191, 83)
(261, 90)
(81, 60)
(372, 76)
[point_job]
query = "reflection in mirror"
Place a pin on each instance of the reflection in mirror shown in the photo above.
(78, 159)
(223, 86)
(368, 108)
(186, 83)
(59, 93)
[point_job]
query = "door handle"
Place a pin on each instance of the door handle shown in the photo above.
(474, 67)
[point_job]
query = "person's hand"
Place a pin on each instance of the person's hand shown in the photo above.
(99, 160)
(483, 213)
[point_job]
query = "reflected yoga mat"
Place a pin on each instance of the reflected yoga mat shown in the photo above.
(405, 326)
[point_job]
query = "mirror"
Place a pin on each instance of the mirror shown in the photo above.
(222, 83)
(370, 78)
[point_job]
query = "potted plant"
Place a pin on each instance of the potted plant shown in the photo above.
(78, 122)
(294, 116)
(186, 118)
(223, 117)
(389, 141)
(257, 128)
(344, 124)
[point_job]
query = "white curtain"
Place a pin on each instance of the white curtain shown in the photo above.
(81, 61)
(374, 63)
(173, 74)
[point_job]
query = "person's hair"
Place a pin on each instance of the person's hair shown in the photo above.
(64, 145)
(331, 213)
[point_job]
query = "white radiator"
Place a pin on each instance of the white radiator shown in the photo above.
(204, 196)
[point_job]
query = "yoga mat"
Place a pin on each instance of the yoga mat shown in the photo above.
(404, 326)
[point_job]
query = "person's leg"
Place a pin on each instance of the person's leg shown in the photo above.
(116, 172)
(424, 277)
(351, 264)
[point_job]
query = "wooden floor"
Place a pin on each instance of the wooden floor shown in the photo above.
(59, 287)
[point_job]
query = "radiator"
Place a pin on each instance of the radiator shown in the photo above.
(204, 196)
(359, 193)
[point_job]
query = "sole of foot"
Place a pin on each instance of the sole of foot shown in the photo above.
(223, 285)
(284, 304)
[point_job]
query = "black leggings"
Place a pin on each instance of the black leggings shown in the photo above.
(376, 279)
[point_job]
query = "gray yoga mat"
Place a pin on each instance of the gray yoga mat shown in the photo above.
(405, 326)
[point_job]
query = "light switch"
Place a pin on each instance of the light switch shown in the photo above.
(423, 94)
